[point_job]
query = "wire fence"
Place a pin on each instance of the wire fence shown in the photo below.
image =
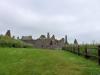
(86, 51)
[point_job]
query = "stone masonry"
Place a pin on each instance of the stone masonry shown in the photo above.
(44, 42)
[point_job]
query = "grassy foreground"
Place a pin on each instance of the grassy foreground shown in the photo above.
(17, 61)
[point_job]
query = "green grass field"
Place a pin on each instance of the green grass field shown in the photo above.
(17, 61)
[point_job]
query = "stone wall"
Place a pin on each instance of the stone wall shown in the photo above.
(43, 42)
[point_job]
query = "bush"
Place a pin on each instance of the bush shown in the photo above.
(6, 41)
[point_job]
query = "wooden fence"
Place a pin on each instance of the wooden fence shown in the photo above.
(86, 51)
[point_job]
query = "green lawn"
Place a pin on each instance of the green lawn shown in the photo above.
(17, 61)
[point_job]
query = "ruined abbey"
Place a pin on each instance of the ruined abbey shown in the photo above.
(44, 41)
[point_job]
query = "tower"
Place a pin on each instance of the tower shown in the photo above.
(66, 40)
(53, 37)
(48, 36)
(8, 33)
(75, 42)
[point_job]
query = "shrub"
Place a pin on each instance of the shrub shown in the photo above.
(6, 41)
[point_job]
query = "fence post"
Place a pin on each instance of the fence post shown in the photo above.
(78, 50)
(99, 54)
(86, 52)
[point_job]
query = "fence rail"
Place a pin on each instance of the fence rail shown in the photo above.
(87, 52)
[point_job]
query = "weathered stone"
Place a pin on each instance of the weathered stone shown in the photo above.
(42, 37)
(75, 42)
(66, 40)
(8, 33)
(26, 37)
(44, 42)
(53, 37)
(48, 36)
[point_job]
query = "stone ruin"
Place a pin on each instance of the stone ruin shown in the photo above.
(75, 42)
(44, 42)
(8, 33)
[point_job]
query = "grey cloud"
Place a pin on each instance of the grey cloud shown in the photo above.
(78, 18)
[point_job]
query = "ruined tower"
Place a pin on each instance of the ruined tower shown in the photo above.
(66, 40)
(75, 42)
(53, 37)
(48, 36)
(8, 33)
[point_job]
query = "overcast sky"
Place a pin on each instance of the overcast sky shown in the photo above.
(78, 19)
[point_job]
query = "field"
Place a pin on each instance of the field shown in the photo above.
(28, 61)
